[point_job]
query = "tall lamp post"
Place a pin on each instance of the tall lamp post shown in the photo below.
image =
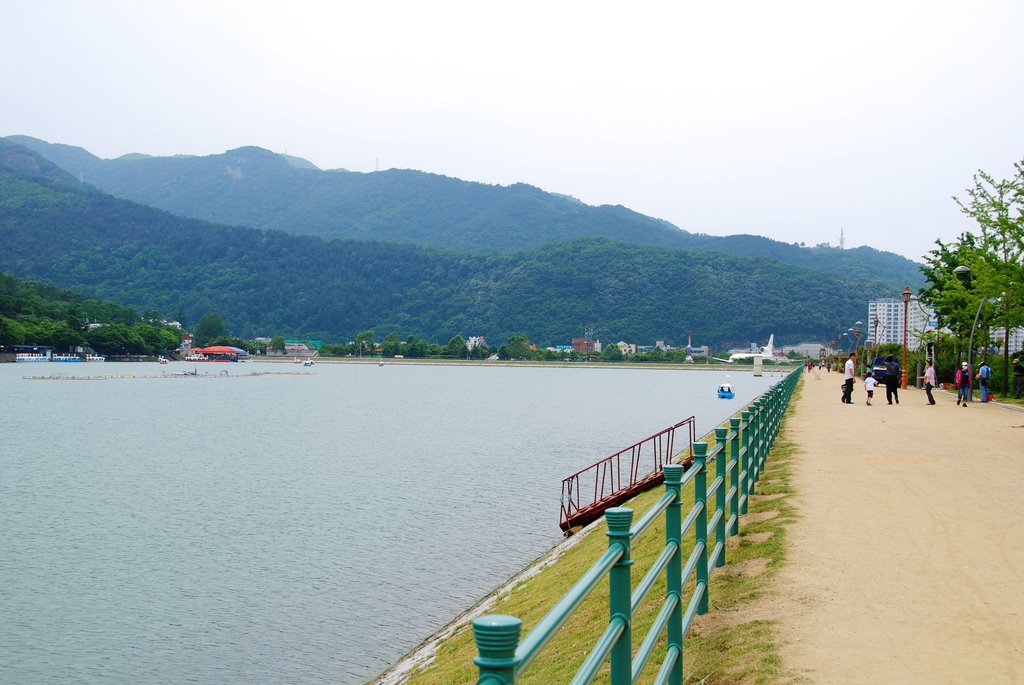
(906, 301)
(856, 331)
(964, 274)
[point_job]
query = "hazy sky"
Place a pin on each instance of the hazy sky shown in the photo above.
(785, 119)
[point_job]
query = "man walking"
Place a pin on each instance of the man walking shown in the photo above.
(892, 379)
(984, 373)
(848, 378)
(1018, 378)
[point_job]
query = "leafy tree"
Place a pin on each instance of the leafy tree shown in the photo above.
(516, 347)
(993, 293)
(209, 327)
(612, 353)
(364, 343)
(277, 344)
(416, 348)
(391, 345)
(456, 347)
(480, 352)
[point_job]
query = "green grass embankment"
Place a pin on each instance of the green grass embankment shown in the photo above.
(733, 643)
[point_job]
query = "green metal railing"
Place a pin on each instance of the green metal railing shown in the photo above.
(739, 458)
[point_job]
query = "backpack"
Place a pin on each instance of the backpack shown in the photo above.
(984, 372)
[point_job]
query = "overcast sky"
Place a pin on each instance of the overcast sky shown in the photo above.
(791, 120)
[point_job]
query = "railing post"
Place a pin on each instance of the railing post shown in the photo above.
(756, 419)
(723, 454)
(674, 569)
(619, 520)
(734, 452)
(700, 496)
(497, 637)
(747, 446)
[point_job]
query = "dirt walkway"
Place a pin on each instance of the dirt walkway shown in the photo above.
(907, 562)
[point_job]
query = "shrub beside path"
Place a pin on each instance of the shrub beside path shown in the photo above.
(906, 564)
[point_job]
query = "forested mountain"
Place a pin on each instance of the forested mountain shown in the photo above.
(269, 282)
(254, 187)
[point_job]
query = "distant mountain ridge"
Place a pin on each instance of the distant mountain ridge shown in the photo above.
(254, 187)
(59, 231)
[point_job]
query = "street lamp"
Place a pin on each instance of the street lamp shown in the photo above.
(906, 301)
(964, 274)
(856, 331)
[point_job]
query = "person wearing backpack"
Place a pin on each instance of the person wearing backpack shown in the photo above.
(984, 374)
(892, 379)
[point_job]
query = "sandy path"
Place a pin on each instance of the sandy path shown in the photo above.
(907, 563)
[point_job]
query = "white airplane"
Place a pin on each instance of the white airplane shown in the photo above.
(766, 353)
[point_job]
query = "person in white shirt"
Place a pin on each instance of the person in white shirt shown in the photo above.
(869, 386)
(849, 377)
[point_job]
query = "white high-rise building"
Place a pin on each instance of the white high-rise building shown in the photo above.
(1016, 338)
(885, 315)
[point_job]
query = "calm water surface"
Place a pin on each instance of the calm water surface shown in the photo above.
(289, 529)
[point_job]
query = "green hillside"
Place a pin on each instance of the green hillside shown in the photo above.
(254, 187)
(270, 282)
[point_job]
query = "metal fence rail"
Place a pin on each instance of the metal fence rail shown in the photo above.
(739, 457)
(587, 493)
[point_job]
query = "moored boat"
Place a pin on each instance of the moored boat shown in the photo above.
(95, 358)
(65, 358)
(31, 357)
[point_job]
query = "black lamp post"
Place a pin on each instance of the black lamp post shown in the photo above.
(856, 331)
(964, 274)
(906, 301)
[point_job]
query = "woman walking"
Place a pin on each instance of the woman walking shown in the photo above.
(929, 380)
(963, 385)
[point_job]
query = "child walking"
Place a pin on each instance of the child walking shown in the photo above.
(869, 386)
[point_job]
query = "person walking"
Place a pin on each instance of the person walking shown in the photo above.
(849, 377)
(963, 385)
(929, 380)
(984, 374)
(892, 379)
(1018, 378)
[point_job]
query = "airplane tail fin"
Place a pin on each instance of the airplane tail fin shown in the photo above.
(769, 349)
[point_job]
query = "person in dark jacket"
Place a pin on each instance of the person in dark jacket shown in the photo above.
(892, 379)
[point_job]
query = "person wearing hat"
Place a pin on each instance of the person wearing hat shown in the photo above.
(984, 373)
(1018, 378)
(963, 385)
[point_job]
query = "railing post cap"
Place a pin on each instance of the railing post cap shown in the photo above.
(734, 422)
(673, 474)
(721, 431)
(497, 637)
(700, 450)
(619, 519)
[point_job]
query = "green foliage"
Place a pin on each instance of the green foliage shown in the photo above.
(612, 353)
(277, 343)
(456, 347)
(37, 314)
(295, 286)
(991, 293)
(209, 327)
(269, 191)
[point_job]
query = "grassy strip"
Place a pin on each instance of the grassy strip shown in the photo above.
(729, 644)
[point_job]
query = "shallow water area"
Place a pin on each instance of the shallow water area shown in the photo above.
(304, 525)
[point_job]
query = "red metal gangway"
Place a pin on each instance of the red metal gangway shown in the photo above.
(616, 478)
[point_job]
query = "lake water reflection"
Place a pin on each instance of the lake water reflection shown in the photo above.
(289, 528)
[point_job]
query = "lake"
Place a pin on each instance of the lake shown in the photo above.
(301, 528)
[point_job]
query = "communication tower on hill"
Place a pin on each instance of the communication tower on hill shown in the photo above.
(842, 239)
